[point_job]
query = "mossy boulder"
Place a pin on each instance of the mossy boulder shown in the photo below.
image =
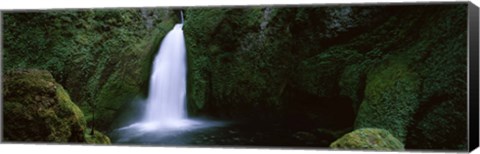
(391, 98)
(368, 139)
(36, 108)
(96, 138)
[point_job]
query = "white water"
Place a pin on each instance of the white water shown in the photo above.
(165, 109)
(167, 93)
(166, 102)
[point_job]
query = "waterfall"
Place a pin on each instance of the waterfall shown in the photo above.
(166, 103)
(167, 93)
(166, 100)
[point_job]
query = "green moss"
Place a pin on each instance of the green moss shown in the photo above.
(324, 69)
(407, 70)
(124, 84)
(112, 96)
(78, 125)
(87, 51)
(433, 129)
(67, 103)
(391, 98)
(443, 107)
(96, 138)
(216, 57)
(368, 139)
(352, 84)
(36, 108)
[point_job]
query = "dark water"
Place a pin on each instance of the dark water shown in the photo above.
(230, 134)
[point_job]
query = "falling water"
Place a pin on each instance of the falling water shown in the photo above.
(167, 94)
(166, 98)
(165, 105)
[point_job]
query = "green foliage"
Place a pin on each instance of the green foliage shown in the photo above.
(368, 139)
(102, 56)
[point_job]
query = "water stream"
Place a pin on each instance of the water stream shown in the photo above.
(165, 120)
(165, 109)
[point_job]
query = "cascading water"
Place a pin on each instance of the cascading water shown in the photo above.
(165, 113)
(166, 99)
(167, 94)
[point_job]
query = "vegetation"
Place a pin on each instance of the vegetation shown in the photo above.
(368, 139)
(38, 109)
(396, 75)
(96, 138)
(391, 91)
(103, 56)
(386, 67)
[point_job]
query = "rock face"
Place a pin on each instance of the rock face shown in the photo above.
(391, 90)
(403, 71)
(263, 67)
(368, 138)
(37, 109)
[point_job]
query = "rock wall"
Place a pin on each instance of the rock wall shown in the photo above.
(399, 68)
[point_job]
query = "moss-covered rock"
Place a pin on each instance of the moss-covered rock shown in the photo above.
(79, 123)
(435, 102)
(272, 48)
(391, 99)
(36, 108)
(92, 53)
(96, 138)
(228, 73)
(443, 105)
(320, 68)
(368, 139)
